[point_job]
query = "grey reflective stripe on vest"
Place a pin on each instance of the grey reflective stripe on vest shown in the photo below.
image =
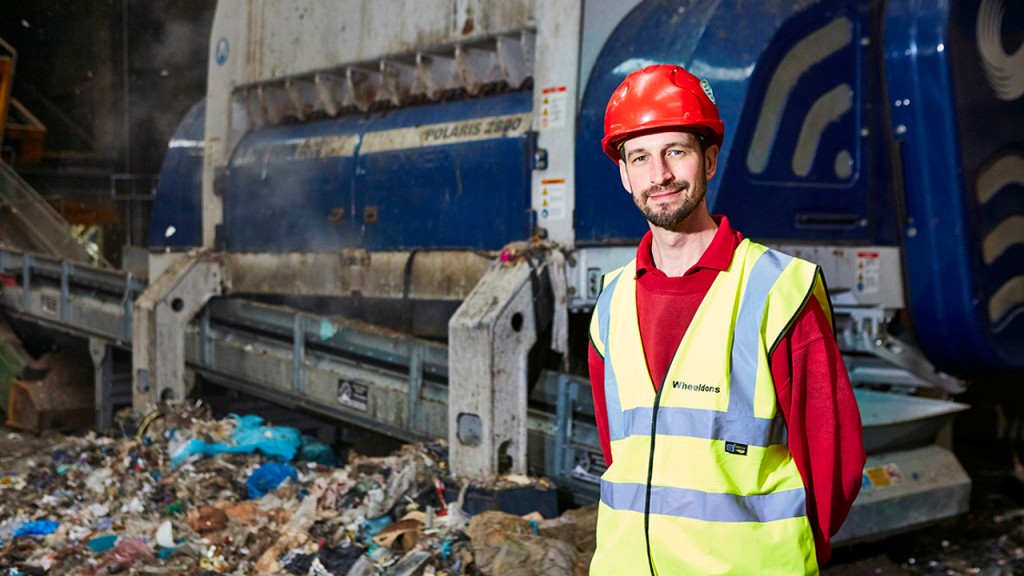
(747, 334)
(611, 385)
(703, 424)
(709, 507)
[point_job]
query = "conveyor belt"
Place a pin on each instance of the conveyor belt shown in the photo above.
(360, 374)
(28, 222)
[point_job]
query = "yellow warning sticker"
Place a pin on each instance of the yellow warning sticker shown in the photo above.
(882, 476)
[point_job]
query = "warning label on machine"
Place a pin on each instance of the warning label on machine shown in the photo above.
(353, 395)
(868, 272)
(552, 198)
(882, 476)
(553, 107)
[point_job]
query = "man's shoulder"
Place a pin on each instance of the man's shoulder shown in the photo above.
(811, 325)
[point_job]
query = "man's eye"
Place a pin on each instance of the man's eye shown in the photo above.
(639, 159)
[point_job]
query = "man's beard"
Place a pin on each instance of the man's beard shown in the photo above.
(670, 217)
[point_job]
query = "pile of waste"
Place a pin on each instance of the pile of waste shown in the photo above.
(188, 494)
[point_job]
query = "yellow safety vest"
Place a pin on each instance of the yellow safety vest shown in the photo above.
(702, 480)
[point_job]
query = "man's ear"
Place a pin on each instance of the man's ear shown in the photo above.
(625, 177)
(710, 162)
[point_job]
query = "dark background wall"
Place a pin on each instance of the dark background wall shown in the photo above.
(110, 79)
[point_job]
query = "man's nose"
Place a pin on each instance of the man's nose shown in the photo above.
(660, 170)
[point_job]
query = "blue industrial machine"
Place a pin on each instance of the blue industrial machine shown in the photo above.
(441, 179)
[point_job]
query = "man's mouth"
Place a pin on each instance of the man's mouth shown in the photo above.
(668, 194)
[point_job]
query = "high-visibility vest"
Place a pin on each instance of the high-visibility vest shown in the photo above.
(702, 480)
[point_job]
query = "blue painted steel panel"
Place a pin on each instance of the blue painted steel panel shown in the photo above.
(317, 186)
(283, 195)
(176, 219)
(962, 151)
(466, 195)
(738, 47)
(811, 157)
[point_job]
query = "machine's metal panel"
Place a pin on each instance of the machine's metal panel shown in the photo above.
(358, 392)
(290, 189)
(448, 176)
(599, 20)
(94, 301)
(809, 158)
(904, 490)
(553, 184)
(176, 219)
(856, 275)
(438, 176)
(89, 316)
(585, 269)
(223, 127)
(429, 275)
(957, 119)
(893, 421)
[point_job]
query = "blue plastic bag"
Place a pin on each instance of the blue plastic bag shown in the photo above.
(37, 528)
(314, 450)
(268, 477)
(371, 527)
(278, 442)
(102, 543)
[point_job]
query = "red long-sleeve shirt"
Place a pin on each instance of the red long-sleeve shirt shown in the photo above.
(811, 382)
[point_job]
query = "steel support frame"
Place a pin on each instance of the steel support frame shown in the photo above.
(489, 339)
(161, 314)
(103, 372)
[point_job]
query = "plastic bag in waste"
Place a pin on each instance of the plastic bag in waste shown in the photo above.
(37, 528)
(102, 543)
(268, 477)
(313, 450)
(249, 435)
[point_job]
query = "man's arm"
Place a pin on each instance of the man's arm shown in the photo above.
(600, 408)
(817, 402)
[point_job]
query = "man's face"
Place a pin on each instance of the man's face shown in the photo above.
(667, 175)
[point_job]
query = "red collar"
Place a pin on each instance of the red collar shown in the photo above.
(717, 256)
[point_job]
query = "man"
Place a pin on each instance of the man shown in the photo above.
(726, 416)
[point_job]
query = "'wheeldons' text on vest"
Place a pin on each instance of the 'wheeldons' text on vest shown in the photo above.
(695, 387)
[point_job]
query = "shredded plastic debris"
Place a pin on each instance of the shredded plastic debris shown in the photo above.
(186, 494)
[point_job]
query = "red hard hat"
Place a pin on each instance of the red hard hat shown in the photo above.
(660, 96)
